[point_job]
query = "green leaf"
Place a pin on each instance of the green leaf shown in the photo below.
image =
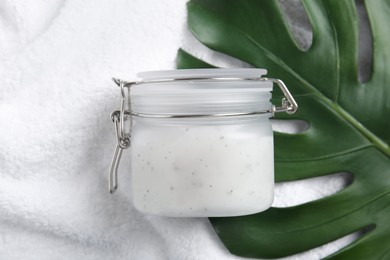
(349, 121)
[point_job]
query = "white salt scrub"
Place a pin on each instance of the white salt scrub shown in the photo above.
(196, 165)
(201, 167)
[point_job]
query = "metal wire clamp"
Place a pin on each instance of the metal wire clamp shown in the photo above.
(123, 133)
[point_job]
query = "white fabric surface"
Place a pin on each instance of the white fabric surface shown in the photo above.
(56, 61)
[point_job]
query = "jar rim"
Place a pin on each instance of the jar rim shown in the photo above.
(244, 73)
(202, 92)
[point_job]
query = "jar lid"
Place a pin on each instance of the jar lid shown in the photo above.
(202, 73)
(201, 91)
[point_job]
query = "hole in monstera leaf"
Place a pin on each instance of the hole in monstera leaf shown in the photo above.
(292, 193)
(289, 126)
(365, 43)
(367, 229)
(334, 246)
(202, 52)
(298, 22)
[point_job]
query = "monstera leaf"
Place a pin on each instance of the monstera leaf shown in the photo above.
(349, 121)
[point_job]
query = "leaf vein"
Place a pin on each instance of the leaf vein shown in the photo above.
(333, 219)
(337, 92)
(328, 156)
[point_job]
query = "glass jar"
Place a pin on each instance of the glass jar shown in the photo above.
(202, 142)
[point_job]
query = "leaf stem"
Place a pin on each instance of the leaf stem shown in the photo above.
(381, 145)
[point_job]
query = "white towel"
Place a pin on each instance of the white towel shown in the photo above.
(56, 139)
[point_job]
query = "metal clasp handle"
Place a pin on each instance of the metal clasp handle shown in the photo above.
(289, 105)
(123, 135)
